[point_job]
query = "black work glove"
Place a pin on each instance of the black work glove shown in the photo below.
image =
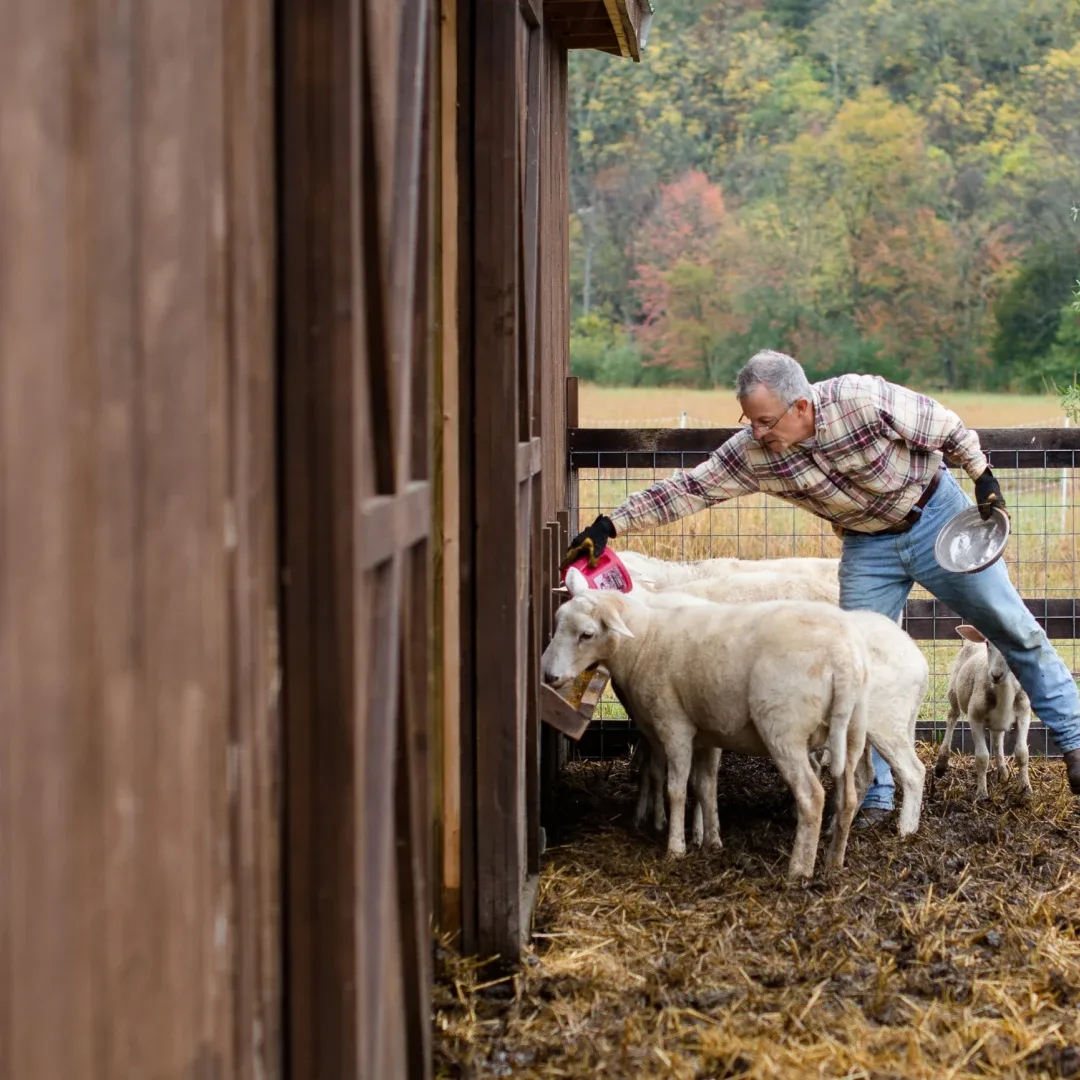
(988, 494)
(591, 542)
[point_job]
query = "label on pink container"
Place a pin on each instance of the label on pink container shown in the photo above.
(611, 578)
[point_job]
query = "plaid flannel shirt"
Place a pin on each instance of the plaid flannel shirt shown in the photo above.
(876, 447)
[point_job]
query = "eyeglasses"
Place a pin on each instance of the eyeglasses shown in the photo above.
(757, 425)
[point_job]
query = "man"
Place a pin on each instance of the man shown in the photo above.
(867, 455)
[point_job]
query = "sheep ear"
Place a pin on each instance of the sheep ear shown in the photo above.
(613, 621)
(969, 633)
(575, 582)
(560, 589)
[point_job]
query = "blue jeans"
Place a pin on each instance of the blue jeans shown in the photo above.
(877, 573)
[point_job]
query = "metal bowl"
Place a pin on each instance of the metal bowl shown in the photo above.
(967, 544)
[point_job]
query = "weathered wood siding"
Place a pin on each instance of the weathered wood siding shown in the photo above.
(139, 913)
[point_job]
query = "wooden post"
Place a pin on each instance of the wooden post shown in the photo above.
(447, 584)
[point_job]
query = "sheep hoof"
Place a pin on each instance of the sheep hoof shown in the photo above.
(1003, 773)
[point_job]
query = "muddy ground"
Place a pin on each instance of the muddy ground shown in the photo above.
(954, 954)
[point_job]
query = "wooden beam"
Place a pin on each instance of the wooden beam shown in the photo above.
(529, 461)
(388, 523)
(500, 798)
(447, 480)
(592, 41)
(618, 26)
(559, 11)
(532, 11)
(932, 620)
(1007, 448)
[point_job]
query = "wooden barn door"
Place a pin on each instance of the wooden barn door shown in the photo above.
(500, 160)
(356, 227)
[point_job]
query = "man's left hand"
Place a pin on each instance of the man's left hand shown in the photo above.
(988, 494)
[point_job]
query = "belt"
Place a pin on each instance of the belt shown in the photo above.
(911, 516)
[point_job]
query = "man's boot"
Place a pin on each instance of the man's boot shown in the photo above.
(1072, 769)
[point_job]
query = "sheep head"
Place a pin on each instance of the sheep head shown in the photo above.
(587, 630)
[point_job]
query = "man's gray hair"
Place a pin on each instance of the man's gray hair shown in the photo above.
(781, 373)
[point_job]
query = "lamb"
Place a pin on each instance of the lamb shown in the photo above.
(899, 677)
(982, 687)
(778, 678)
(651, 573)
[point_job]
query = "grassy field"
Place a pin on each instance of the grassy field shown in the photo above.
(601, 406)
(1042, 553)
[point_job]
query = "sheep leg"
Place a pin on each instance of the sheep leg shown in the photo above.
(909, 771)
(644, 755)
(982, 756)
(794, 766)
(845, 783)
(999, 756)
(942, 762)
(657, 776)
(679, 751)
(706, 817)
(1020, 751)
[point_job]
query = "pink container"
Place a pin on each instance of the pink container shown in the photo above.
(609, 572)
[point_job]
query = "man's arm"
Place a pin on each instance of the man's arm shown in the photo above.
(925, 424)
(722, 476)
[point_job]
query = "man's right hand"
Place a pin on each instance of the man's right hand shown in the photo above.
(988, 494)
(591, 541)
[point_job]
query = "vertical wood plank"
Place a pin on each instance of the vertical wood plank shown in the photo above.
(34, 337)
(254, 744)
(468, 567)
(319, 69)
(183, 495)
(447, 486)
(499, 749)
(127, 929)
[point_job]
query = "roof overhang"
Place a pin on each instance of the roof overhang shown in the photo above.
(619, 27)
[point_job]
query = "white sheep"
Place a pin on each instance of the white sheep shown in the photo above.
(755, 587)
(776, 679)
(982, 688)
(736, 588)
(652, 573)
(899, 677)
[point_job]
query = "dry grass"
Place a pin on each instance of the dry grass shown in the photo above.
(600, 406)
(954, 954)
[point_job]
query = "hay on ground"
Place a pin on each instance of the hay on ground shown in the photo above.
(954, 954)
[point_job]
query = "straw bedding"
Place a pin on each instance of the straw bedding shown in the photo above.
(953, 954)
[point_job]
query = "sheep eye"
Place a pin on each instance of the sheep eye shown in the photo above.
(586, 634)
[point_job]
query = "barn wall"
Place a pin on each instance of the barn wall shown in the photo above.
(139, 919)
(358, 300)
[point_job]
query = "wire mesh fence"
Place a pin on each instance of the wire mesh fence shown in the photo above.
(1037, 469)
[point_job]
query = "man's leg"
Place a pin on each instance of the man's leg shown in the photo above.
(873, 578)
(989, 602)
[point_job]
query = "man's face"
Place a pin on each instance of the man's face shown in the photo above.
(773, 424)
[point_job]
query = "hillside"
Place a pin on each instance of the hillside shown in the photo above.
(881, 185)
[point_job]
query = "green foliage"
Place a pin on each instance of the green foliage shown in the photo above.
(1030, 315)
(874, 184)
(603, 353)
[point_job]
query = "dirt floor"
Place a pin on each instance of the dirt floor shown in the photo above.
(952, 955)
